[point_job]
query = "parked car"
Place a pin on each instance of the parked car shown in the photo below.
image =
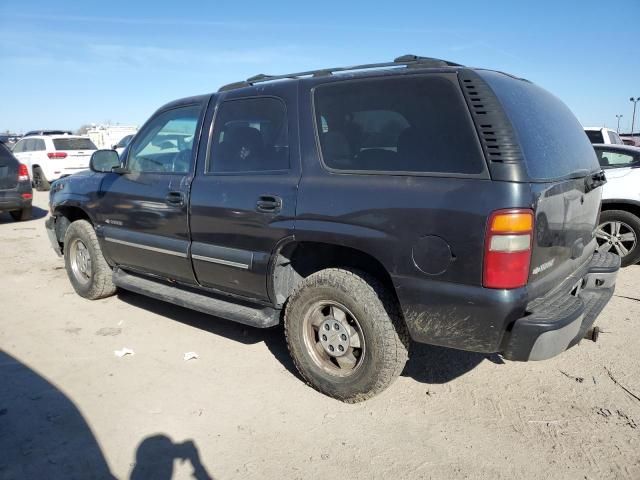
(16, 194)
(122, 144)
(50, 156)
(619, 229)
(415, 199)
(603, 135)
(633, 141)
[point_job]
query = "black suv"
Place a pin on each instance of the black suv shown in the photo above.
(16, 193)
(362, 206)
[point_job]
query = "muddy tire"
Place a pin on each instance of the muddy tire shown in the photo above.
(345, 334)
(40, 182)
(619, 233)
(86, 268)
(22, 215)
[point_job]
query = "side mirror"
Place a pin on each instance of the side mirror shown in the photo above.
(104, 161)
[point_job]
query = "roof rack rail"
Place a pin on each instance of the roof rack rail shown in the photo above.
(48, 132)
(409, 61)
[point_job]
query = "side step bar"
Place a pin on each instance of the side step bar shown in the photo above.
(261, 317)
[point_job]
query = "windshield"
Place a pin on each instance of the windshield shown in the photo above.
(551, 138)
(73, 144)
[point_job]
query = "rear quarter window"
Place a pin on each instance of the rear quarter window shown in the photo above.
(552, 140)
(73, 144)
(594, 136)
(408, 124)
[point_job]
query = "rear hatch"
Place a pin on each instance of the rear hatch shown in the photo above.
(8, 170)
(564, 175)
(78, 151)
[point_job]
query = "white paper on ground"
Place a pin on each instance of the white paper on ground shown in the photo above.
(123, 352)
(190, 356)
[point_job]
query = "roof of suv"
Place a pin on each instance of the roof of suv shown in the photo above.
(407, 61)
(405, 64)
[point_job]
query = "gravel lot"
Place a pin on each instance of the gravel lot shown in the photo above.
(69, 408)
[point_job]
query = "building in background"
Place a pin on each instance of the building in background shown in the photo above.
(107, 136)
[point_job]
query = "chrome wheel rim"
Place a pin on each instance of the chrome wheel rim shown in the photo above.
(80, 261)
(334, 339)
(616, 237)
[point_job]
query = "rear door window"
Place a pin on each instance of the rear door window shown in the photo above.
(73, 144)
(552, 140)
(250, 135)
(412, 124)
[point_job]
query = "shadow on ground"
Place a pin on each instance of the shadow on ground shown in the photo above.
(37, 214)
(155, 458)
(427, 364)
(42, 432)
(43, 435)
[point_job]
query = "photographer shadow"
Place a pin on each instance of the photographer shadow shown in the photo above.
(156, 455)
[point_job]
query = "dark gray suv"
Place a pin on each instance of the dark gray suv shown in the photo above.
(363, 207)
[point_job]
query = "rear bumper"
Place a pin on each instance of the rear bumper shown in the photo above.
(11, 200)
(558, 321)
(509, 322)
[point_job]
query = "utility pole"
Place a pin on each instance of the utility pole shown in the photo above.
(618, 117)
(633, 119)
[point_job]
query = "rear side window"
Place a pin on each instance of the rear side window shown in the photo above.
(552, 140)
(250, 135)
(5, 156)
(19, 148)
(595, 136)
(412, 124)
(614, 159)
(73, 144)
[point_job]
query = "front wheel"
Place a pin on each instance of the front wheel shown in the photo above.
(619, 233)
(345, 334)
(86, 268)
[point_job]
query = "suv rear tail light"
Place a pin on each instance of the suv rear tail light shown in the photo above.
(23, 173)
(507, 252)
(53, 155)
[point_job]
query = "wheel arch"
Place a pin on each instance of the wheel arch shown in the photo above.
(65, 215)
(294, 260)
(630, 206)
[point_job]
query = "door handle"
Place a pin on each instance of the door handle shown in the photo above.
(269, 204)
(175, 198)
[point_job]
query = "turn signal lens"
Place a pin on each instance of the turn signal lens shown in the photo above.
(507, 254)
(512, 222)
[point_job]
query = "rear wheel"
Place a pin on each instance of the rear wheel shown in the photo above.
(619, 233)
(40, 181)
(22, 215)
(86, 268)
(345, 334)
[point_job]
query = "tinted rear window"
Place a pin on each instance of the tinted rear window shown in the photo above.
(402, 124)
(552, 140)
(73, 144)
(6, 158)
(594, 136)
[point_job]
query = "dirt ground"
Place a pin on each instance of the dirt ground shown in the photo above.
(70, 408)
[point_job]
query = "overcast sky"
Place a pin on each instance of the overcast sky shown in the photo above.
(69, 63)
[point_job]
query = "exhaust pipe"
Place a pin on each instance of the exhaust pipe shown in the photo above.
(592, 334)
